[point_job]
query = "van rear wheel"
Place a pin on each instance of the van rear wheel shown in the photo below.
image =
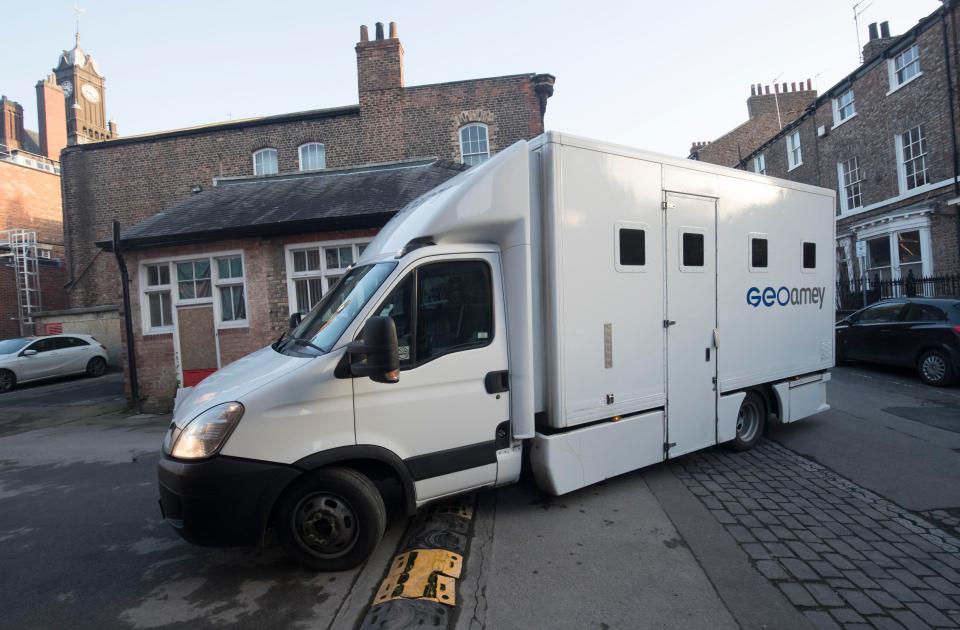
(331, 519)
(751, 420)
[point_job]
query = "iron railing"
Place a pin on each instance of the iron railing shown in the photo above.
(858, 293)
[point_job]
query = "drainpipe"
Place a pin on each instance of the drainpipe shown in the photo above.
(947, 8)
(127, 319)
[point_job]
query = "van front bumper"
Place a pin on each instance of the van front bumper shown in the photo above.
(222, 501)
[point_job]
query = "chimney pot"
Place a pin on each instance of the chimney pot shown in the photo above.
(809, 85)
(379, 30)
(393, 30)
(793, 86)
(753, 90)
(776, 88)
(884, 29)
(873, 31)
(767, 89)
(364, 35)
(784, 88)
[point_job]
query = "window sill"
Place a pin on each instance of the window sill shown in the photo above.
(847, 119)
(795, 166)
(158, 331)
(194, 301)
(907, 82)
(237, 324)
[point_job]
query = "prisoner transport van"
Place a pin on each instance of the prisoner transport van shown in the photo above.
(603, 307)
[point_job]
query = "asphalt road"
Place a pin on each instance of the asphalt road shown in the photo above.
(703, 541)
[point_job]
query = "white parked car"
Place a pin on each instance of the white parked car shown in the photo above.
(33, 358)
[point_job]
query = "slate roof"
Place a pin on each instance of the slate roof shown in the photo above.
(361, 197)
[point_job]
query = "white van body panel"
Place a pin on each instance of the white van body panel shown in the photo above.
(235, 381)
(563, 462)
(307, 410)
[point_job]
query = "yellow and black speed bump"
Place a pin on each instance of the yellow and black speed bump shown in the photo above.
(419, 588)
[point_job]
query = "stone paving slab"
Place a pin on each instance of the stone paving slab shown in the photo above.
(846, 557)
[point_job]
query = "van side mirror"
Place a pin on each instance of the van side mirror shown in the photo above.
(376, 354)
(295, 319)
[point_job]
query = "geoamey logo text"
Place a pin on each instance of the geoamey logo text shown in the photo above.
(785, 296)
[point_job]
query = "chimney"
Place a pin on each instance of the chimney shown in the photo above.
(112, 126)
(11, 124)
(379, 62)
(878, 40)
(543, 87)
(51, 117)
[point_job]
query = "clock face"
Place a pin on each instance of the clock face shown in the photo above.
(67, 88)
(90, 93)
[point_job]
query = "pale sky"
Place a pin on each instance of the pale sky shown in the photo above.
(655, 75)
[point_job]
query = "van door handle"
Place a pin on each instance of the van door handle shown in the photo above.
(496, 382)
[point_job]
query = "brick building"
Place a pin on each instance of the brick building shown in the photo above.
(222, 239)
(885, 138)
(30, 201)
(767, 112)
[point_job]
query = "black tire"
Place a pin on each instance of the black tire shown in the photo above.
(8, 380)
(751, 420)
(935, 369)
(331, 519)
(96, 366)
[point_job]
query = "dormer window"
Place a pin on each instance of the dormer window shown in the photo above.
(265, 162)
(313, 157)
(474, 144)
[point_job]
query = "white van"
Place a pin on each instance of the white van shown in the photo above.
(607, 307)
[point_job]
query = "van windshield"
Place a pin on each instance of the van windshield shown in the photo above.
(326, 321)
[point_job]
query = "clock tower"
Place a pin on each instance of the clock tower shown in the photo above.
(83, 86)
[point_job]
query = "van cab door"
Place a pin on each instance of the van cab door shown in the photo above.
(441, 417)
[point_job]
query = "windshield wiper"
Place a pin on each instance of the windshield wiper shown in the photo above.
(305, 342)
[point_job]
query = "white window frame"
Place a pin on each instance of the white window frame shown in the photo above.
(794, 146)
(902, 165)
(322, 154)
(842, 185)
(146, 289)
(838, 108)
(891, 230)
(629, 225)
(176, 283)
(691, 230)
(760, 164)
(265, 151)
(220, 283)
(175, 300)
(486, 133)
(895, 83)
(323, 273)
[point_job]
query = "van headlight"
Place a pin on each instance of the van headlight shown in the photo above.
(204, 435)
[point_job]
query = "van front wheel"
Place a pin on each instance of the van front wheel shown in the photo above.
(331, 519)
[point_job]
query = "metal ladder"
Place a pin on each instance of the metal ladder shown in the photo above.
(21, 252)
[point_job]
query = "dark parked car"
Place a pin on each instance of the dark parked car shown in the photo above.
(923, 333)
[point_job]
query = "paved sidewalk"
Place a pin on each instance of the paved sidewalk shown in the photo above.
(604, 557)
(843, 555)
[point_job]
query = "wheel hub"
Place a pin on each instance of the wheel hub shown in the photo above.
(326, 524)
(748, 422)
(934, 368)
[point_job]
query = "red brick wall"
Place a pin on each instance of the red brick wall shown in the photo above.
(30, 199)
(53, 297)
